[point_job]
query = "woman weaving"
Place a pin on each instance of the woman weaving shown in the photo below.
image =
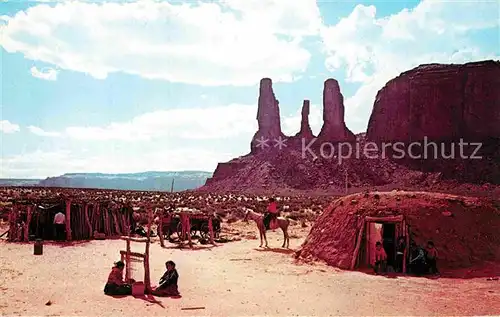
(115, 284)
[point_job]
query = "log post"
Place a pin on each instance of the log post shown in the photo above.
(12, 223)
(211, 229)
(147, 276)
(358, 245)
(117, 225)
(68, 220)
(28, 221)
(87, 219)
(97, 217)
(127, 262)
(160, 231)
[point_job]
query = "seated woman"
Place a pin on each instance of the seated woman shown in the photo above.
(168, 282)
(418, 262)
(115, 284)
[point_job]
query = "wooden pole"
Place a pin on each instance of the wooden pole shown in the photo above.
(127, 262)
(117, 225)
(68, 220)
(172, 186)
(147, 276)
(27, 225)
(358, 245)
(106, 224)
(160, 231)
(12, 222)
(87, 220)
(188, 227)
(211, 229)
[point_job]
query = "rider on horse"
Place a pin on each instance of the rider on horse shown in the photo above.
(272, 213)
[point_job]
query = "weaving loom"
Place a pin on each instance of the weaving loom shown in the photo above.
(132, 263)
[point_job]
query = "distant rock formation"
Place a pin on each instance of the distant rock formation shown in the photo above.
(268, 116)
(440, 102)
(157, 181)
(334, 128)
(305, 129)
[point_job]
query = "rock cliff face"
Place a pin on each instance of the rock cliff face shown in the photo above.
(305, 129)
(268, 115)
(334, 128)
(440, 102)
(444, 103)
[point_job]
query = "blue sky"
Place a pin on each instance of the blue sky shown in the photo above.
(126, 86)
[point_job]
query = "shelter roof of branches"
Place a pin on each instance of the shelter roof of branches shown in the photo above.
(86, 215)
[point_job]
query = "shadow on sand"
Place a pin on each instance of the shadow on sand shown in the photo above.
(276, 250)
(147, 298)
(185, 247)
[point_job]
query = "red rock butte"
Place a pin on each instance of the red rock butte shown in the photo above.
(438, 102)
(268, 117)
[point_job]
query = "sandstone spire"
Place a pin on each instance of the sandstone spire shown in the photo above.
(268, 115)
(305, 128)
(334, 128)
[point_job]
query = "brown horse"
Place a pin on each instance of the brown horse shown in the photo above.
(283, 223)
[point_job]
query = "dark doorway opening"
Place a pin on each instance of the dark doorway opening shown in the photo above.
(389, 242)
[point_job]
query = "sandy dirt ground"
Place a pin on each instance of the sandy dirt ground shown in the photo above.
(232, 279)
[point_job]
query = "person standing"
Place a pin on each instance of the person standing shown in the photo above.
(60, 226)
(380, 258)
(400, 251)
(432, 256)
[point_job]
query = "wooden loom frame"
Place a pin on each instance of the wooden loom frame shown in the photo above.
(391, 219)
(126, 254)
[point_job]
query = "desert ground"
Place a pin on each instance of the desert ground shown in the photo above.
(232, 279)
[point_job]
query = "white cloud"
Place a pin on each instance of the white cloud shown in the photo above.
(175, 139)
(41, 164)
(374, 50)
(8, 127)
(45, 73)
(188, 123)
(231, 43)
(40, 132)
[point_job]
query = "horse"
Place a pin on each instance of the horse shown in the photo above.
(283, 223)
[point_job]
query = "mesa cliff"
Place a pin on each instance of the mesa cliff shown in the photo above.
(435, 102)
(440, 102)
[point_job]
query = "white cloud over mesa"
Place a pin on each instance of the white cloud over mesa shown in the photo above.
(373, 49)
(231, 43)
(237, 42)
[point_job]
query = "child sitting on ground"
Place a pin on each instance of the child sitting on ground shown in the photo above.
(380, 258)
(168, 282)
